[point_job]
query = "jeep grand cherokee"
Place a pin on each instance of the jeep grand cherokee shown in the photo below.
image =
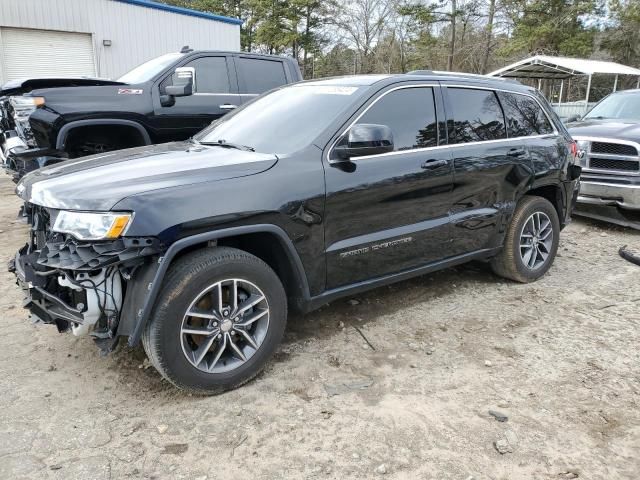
(306, 194)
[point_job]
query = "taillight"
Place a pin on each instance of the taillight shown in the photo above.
(574, 149)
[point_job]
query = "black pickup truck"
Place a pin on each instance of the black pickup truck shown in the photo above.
(306, 194)
(171, 97)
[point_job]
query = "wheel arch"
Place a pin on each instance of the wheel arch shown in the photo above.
(68, 128)
(277, 251)
(551, 192)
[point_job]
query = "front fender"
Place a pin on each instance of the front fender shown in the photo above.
(137, 311)
(63, 134)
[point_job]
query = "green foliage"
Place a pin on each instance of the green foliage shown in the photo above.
(622, 37)
(554, 27)
(386, 36)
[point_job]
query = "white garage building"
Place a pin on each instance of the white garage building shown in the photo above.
(104, 38)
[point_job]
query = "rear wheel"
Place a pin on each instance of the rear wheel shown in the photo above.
(219, 318)
(531, 241)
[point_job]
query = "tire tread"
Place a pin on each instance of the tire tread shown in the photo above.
(192, 264)
(505, 264)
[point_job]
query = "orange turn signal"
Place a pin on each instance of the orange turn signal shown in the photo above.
(118, 226)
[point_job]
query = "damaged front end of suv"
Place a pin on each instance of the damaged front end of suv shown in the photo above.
(105, 230)
(76, 268)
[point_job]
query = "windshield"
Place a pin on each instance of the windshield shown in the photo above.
(624, 106)
(148, 70)
(284, 120)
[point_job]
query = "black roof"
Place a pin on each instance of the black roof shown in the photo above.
(229, 52)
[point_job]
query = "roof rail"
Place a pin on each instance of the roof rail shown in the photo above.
(460, 74)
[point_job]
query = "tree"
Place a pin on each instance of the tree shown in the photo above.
(364, 22)
(332, 37)
(557, 27)
(488, 36)
(622, 37)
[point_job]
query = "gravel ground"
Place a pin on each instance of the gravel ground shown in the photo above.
(558, 358)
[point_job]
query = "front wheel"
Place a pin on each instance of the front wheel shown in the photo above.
(219, 318)
(531, 241)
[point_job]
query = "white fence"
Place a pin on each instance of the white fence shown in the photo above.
(571, 109)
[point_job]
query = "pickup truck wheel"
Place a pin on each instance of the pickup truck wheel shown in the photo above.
(531, 241)
(219, 318)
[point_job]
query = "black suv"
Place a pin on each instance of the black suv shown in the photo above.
(171, 97)
(306, 194)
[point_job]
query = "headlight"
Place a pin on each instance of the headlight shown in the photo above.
(583, 144)
(92, 225)
(25, 101)
(583, 148)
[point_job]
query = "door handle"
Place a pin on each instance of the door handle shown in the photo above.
(433, 164)
(516, 152)
(228, 106)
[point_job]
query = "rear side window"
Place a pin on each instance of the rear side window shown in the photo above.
(212, 75)
(410, 114)
(477, 116)
(260, 75)
(524, 115)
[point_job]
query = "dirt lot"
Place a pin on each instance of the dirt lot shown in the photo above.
(560, 358)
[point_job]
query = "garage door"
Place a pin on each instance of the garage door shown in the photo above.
(45, 53)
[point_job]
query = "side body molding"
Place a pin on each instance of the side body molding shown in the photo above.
(64, 131)
(142, 314)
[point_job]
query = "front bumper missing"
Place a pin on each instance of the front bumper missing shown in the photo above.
(94, 288)
(27, 160)
(43, 306)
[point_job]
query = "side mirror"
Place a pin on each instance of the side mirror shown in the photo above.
(365, 139)
(183, 84)
(573, 118)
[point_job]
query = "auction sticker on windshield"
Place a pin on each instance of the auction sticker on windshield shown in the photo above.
(333, 90)
(129, 91)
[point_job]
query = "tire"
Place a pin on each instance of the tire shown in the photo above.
(175, 353)
(509, 263)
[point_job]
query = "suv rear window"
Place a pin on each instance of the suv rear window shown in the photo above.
(477, 116)
(524, 115)
(260, 75)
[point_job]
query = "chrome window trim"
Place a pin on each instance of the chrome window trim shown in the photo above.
(454, 145)
(624, 173)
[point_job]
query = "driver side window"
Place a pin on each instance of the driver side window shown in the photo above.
(211, 75)
(410, 114)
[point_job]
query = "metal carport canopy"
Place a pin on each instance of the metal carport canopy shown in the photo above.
(547, 67)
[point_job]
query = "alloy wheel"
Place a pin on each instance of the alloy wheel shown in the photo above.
(536, 240)
(225, 325)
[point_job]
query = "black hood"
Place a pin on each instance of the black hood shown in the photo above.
(616, 129)
(26, 85)
(98, 182)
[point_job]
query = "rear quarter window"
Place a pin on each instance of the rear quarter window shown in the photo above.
(524, 115)
(258, 75)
